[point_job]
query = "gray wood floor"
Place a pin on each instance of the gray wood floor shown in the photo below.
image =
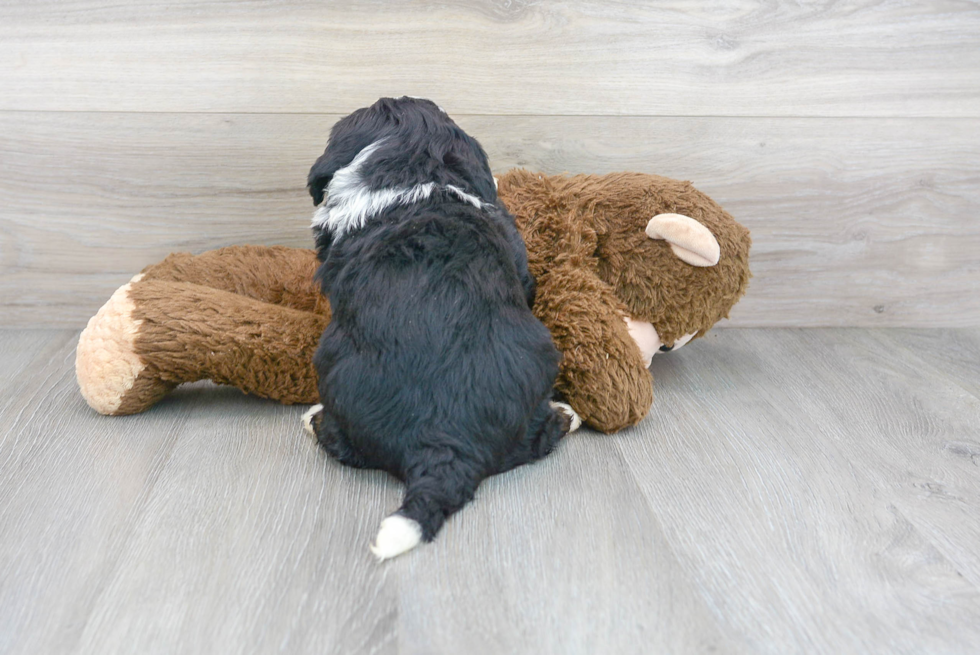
(793, 491)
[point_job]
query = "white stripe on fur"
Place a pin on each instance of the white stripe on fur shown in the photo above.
(465, 197)
(349, 203)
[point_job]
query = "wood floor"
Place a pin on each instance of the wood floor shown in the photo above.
(793, 491)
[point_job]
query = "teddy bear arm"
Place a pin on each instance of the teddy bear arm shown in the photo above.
(602, 375)
(272, 274)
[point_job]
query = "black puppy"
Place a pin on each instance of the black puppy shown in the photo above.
(433, 367)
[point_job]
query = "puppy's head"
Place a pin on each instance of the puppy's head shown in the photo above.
(399, 143)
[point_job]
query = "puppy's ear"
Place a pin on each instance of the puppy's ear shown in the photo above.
(320, 175)
(348, 137)
(467, 159)
(344, 146)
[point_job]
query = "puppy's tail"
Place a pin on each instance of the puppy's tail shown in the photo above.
(439, 485)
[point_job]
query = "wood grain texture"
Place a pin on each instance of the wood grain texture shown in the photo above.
(122, 536)
(251, 566)
(747, 58)
(854, 222)
(20, 350)
(837, 449)
(66, 500)
(793, 491)
(953, 353)
(560, 570)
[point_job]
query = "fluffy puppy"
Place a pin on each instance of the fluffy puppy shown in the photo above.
(433, 367)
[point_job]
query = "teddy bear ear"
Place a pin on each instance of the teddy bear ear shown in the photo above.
(691, 241)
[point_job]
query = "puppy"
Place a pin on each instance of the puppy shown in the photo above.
(433, 367)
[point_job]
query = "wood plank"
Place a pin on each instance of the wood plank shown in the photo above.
(20, 350)
(855, 222)
(71, 484)
(181, 529)
(249, 509)
(564, 556)
(909, 426)
(862, 58)
(953, 354)
(939, 481)
(798, 452)
(243, 536)
(134, 188)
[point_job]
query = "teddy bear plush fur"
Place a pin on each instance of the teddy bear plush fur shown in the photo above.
(248, 316)
(626, 264)
(596, 263)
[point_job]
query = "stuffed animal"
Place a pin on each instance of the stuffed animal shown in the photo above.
(627, 265)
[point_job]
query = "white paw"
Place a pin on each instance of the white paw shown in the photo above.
(572, 414)
(398, 534)
(308, 419)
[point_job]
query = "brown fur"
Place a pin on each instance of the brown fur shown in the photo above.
(594, 264)
(250, 316)
(272, 274)
(602, 220)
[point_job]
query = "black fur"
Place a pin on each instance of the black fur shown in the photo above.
(433, 367)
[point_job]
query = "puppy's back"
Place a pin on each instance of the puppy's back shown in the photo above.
(431, 320)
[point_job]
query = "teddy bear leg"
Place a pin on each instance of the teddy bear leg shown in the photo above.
(153, 335)
(272, 274)
(111, 375)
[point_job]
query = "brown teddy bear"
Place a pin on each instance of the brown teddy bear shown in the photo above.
(627, 265)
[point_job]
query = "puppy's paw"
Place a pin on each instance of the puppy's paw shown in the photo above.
(575, 421)
(398, 534)
(309, 417)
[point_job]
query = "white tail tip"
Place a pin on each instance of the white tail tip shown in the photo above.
(576, 420)
(308, 419)
(398, 534)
